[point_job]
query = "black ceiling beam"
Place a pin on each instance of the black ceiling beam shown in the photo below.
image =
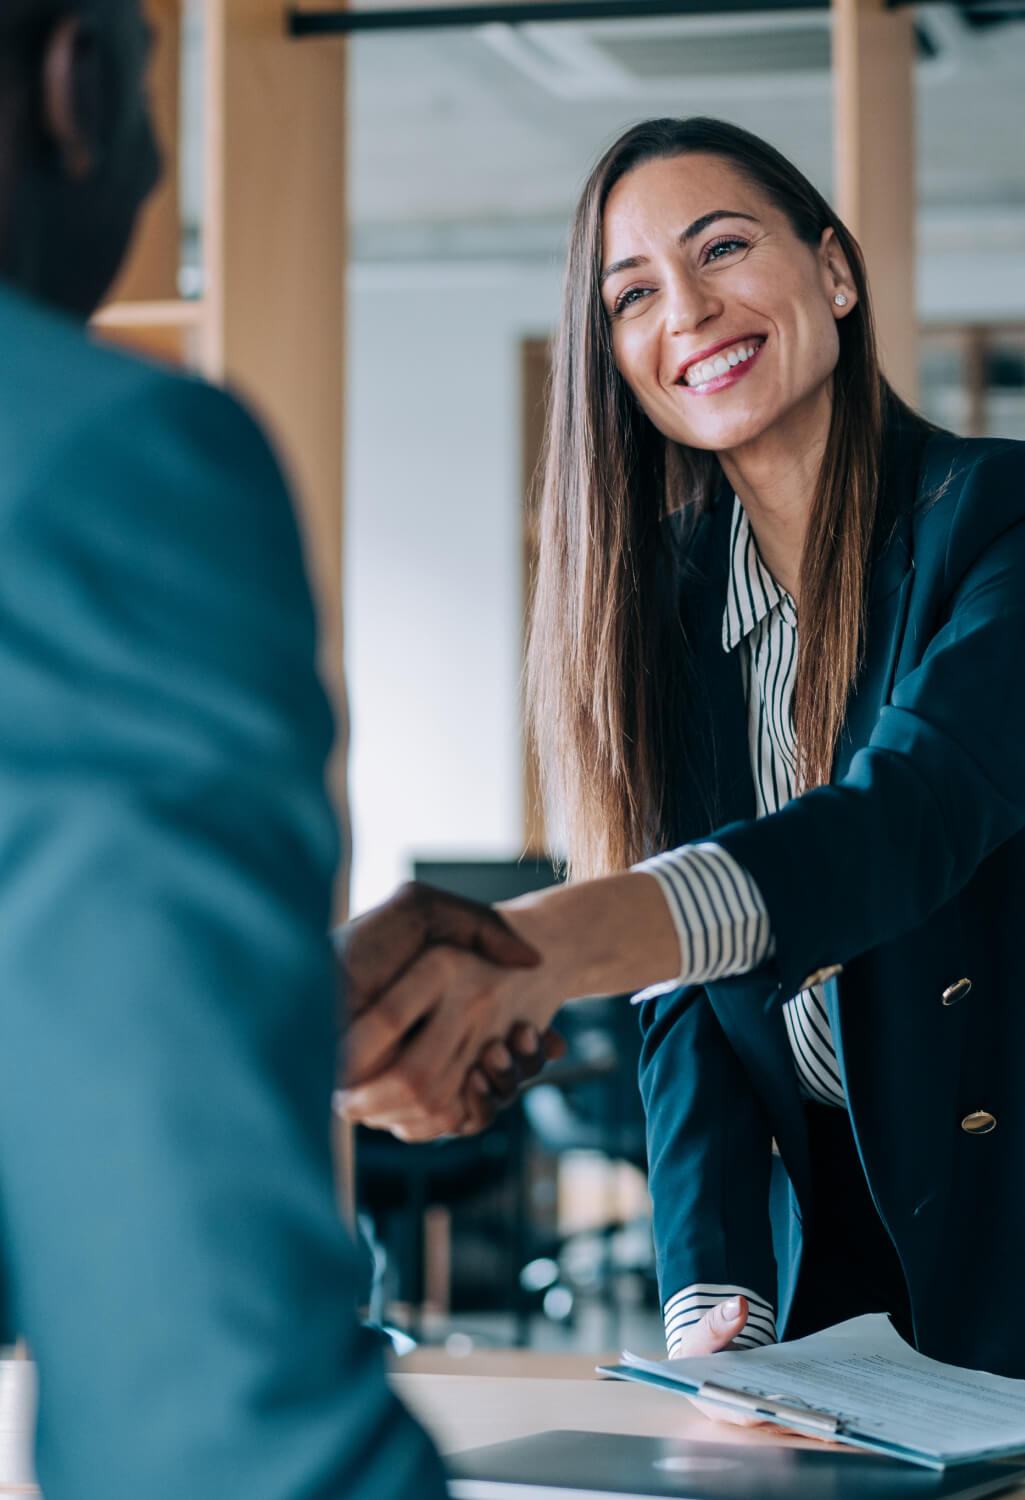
(310, 23)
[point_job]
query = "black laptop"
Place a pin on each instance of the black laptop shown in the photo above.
(606, 1466)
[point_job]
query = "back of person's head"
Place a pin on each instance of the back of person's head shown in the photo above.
(77, 155)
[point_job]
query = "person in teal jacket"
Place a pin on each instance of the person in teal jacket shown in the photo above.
(169, 1242)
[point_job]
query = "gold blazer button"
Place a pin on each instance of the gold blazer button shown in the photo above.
(956, 991)
(979, 1123)
(821, 975)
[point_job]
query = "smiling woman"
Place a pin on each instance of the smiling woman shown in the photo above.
(704, 239)
(774, 664)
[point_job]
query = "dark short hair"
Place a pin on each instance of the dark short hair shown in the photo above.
(20, 15)
(21, 19)
(23, 24)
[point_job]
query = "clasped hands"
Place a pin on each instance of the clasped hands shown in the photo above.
(443, 1015)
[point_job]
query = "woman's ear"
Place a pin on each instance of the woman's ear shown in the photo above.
(72, 96)
(836, 274)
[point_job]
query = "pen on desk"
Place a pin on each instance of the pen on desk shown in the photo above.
(770, 1406)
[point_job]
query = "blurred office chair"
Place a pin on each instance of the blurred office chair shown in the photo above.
(397, 1183)
(590, 1101)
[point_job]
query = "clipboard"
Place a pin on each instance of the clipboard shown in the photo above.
(857, 1384)
(786, 1411)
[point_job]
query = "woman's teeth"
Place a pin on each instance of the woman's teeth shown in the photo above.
(710, 369)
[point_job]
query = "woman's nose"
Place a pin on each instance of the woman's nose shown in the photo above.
(689, 304)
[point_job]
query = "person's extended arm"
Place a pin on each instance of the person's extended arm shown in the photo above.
(690, 916)
(846, 866)
(454, 1003)
(169, 1240)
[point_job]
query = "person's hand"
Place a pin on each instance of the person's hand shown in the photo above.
(713, 1333)
(502, 1069)
(411, 1054)
(375, 949)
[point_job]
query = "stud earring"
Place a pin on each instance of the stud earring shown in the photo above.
(840, 299)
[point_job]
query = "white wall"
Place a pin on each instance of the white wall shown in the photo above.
(970, 265)
(433, 560)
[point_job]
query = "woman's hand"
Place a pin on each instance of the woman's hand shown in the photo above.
(715, 1332)
(411, 1053)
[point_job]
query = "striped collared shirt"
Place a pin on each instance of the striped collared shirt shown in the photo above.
(718, 911)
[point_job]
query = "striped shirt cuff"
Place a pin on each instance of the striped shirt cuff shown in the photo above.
(690, 1305)
(717, 910)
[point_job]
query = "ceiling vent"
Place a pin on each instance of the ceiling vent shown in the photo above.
(719, 54)
(770, 50)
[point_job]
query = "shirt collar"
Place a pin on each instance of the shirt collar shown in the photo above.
(751, 591)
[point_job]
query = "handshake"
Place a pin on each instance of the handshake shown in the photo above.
(444, 1012)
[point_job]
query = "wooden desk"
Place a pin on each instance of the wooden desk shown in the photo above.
(487, 1405)
(471, 1409)
(466, 1410)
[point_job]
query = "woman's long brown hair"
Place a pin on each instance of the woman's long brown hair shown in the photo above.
(605, 717)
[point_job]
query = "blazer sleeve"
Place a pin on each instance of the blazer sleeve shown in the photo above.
(941, 783)
(709, 1152)
(169, 1240)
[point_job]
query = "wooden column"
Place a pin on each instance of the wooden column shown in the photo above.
(535, 367)
(143, 311)
(274, 251)
(874, 157)
(150, 273)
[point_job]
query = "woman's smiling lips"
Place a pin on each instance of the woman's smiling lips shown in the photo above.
(738, 355)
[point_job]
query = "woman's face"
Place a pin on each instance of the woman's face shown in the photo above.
(723, 321)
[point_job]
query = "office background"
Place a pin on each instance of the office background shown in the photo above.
(366, 237)
(466, 153)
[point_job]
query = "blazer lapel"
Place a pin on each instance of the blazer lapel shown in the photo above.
(717, 724)
(716, 782)
(747, 1006)
(893, 574)
(886, 615)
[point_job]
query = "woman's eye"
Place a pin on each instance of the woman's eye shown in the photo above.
(628, 298)
(723, 247)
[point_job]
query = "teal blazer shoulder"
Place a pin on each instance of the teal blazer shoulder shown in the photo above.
(904, 875)
(169, 1243)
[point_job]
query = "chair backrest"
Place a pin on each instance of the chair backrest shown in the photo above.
(488, 880)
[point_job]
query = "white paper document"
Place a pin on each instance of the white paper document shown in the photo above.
(18, 1398)
(857, 1383)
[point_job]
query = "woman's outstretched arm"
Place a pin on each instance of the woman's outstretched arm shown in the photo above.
(409, 1054)
(689, 916)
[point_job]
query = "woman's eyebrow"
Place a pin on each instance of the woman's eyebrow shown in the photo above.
(706, 219)
(632, 261)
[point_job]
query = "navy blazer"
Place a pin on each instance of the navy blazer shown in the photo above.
(908, 871)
